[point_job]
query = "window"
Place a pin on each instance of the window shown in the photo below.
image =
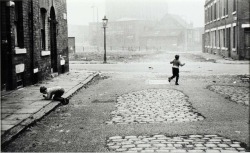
(215, 40)
(215, 9)
(219, 38)
(224, 38)
(234, 37)
(234, 5)
(43, 32)
(226, 7)
(18, 25)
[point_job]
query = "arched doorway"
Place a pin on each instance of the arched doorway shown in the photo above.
(53, 43)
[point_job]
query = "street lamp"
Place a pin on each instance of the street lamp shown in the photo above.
(104, 22)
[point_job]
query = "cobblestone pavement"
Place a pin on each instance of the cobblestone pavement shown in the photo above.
(154, 106)
(180, 144)
(235, 93)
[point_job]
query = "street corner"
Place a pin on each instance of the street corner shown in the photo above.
(154, 106)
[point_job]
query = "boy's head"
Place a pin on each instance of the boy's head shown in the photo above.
(177, 57)
(43, 89)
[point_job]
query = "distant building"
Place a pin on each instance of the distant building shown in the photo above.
(34, 41)
(227, 28)
(169, 33)
(72, 45)
(139, 9)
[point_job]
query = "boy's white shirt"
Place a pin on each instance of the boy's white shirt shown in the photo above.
(51, 91)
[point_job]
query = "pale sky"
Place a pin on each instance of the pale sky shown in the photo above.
(80, 12)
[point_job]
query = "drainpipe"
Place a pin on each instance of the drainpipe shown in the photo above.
(32, 42)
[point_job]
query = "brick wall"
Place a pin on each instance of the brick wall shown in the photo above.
(29, 53)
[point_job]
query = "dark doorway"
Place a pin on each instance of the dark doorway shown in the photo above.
(247, 43)
(53, 43)
(6, 60)
(229, 41)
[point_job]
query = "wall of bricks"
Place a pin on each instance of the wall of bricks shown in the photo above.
(36, 65)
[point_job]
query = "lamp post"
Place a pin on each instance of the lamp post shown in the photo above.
(105, 22)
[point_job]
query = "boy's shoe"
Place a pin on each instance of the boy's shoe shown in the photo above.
(169, 79)
(65, 101)
(176, 83)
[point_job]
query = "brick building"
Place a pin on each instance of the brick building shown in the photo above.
(34, 41)
(227, 28)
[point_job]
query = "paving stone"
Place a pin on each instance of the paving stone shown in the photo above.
(195, 151)
(116, 137)
(135, 149)
(228, 151)
(211, 145)
(177, 145)
(128, 146)
(223, 145)
(129, 137)
(159, 145)
(114, 147)
(143, 145)
(235, 145)
(121, 150)
(162, 151)
(199, 145)
(178, 151)
(212, 151)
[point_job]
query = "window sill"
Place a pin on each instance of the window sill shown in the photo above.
(45, 53)
(234, 12)
(62, 62)
(20, 50)
(35, 70)
(19, 68)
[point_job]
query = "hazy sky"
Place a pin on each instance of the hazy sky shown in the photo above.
(80, 12)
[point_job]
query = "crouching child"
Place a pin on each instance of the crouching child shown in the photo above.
(54, 93)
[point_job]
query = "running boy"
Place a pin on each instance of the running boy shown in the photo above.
(55, 92)
(175, 69)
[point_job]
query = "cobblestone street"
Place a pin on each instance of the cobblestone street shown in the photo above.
(133, 108)
(154, 106)
(238, 94)
(177, 144)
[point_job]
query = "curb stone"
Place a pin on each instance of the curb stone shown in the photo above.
(20, 127)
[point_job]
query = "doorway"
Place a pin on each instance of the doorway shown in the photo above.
(247, 43)
(53, 43)
(229, 41)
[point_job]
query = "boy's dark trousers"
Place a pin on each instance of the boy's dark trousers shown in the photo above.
(58, 96)
(175, 72)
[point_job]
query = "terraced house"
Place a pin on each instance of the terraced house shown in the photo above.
(34, 41)
(227, 28)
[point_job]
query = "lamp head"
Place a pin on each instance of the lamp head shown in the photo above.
(105, 21)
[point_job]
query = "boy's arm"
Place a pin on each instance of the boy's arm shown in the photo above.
(182, 64)
(171, 62)
(48, 96)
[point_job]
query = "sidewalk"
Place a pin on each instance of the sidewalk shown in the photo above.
(220, 59)
(22, 107)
